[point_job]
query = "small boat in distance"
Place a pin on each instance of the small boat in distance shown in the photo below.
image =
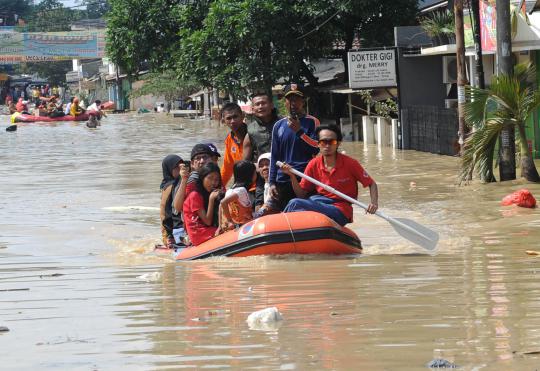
(304, 232)
(31, 118)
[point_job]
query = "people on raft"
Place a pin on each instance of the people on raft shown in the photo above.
(236, 208)
(67, 111)
(96, 107)
(52, 108)
(199, 205)
(201, 154)
(75, 109)
(22, 106)
(341, 172)
(171, 174)
(259, 126)
(233, 117)
(293, 141)
(12, 108)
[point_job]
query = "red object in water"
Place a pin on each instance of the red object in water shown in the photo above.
(30, 118)
(108, 105)
(521, 197)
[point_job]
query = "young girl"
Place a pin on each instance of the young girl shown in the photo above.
(237, 205)
(171, 172)
(200, 204)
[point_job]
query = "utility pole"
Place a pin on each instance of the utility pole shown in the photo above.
(461, 71)
(507, 148)
(479, 81)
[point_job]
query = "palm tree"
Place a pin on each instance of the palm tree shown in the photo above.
(509, 101)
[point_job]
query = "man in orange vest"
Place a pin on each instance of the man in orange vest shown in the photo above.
(233, 117)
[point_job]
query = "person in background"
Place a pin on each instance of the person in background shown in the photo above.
(12, 107)
(67, 111)
(199, 205)
(75, 109)
(96, 107)
(264, 203)
(22, 106)
(293, 141)
(236, 208)
(35, 95)
(259, 126)
(171, 172)
(233, 117)
(341, 172)
(52, 108)
(215, 153)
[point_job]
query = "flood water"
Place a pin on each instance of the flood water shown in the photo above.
(79, 219)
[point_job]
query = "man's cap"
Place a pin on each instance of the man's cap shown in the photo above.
(200, 149)
(264, 156)
(214, 149)
(292, 88)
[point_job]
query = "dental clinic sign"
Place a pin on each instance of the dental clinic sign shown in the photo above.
(372, 69)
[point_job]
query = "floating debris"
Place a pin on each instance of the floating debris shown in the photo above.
(150, 277)
(268, 319)
(441, 363)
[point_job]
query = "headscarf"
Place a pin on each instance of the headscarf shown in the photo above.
(167, 165)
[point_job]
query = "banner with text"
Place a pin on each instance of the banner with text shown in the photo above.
(372, 69)
(35, 46)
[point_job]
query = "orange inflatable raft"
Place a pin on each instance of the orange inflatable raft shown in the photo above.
(304, 232)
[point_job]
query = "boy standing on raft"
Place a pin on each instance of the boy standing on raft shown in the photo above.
(233, 117)
(293, 142)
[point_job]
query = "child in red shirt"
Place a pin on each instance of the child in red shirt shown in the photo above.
(199, 205)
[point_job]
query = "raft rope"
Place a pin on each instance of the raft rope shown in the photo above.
(290, 228)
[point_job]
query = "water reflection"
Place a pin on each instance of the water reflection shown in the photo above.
(83, 203)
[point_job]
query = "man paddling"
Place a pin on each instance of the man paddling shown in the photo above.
(336, 170)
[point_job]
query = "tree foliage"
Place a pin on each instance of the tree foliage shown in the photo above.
(509, 101)
(13, 10)
(142, 32)
(95, 8)
(241, 45)
(50, 16)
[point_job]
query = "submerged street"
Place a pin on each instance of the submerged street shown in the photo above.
(80, 217)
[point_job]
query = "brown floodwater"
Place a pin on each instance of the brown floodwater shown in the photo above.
(80, 217)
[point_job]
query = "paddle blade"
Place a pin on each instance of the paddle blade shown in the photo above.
(415, 232)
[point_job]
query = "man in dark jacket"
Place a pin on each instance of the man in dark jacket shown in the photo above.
(259, 127)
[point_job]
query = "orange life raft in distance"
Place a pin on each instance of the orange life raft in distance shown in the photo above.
(304, 232)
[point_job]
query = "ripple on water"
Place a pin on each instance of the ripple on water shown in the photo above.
(83, 204)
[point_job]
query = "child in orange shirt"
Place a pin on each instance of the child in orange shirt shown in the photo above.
(236, 208)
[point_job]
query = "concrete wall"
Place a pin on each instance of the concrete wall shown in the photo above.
(146, 101)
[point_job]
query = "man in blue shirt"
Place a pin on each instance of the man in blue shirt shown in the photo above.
(293, 142)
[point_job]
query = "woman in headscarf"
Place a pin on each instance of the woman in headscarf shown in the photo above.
(170, 221)
(75, 109)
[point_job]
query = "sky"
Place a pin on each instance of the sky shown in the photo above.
(67, 2)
